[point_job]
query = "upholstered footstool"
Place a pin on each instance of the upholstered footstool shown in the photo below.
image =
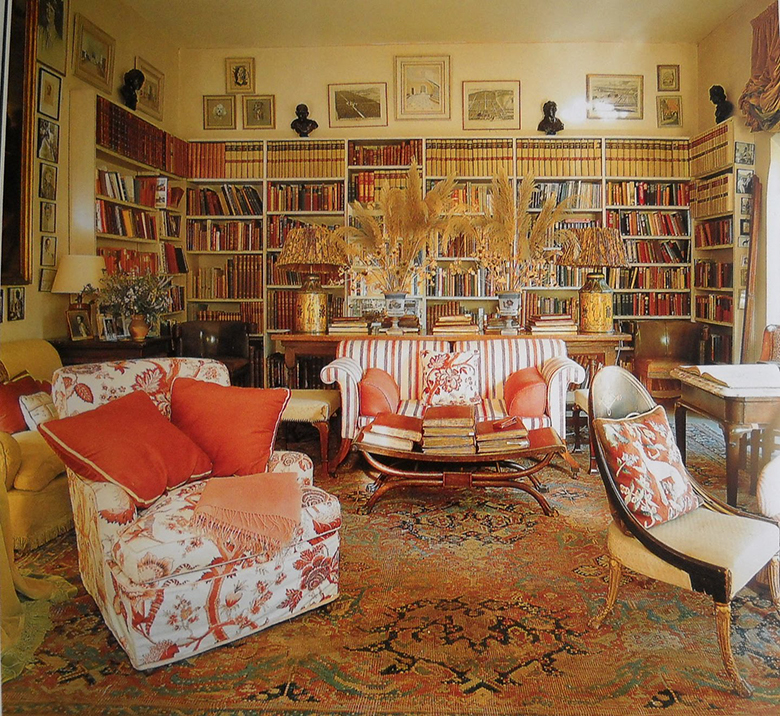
(315, 407)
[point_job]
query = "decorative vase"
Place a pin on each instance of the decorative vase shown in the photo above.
(394, 309)
(596, 310)
(509, 307)
(139, 328)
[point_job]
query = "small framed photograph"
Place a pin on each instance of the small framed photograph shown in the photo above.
(93, 54)
(668, 78)
(746, 205)
(744, 181)
(150, 96)
(240, 75)
(48, 140)
(491, 104)
(122, 325)
(48, 250)
(669, 110)
(357, 105)
(79, 327)
(744, 227)
(47, 182)
(49, 92)
(219, 112)
(52, 40)
(48, 216)
(46, 280)
(422, 87)
(615, 96)
(260, 112)
(743, 242)
(744, 153)
(16, 303)
(107, 328)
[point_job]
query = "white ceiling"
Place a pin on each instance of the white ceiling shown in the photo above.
(312, 23)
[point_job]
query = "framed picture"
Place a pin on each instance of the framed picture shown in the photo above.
(79, 327)
(260, 111)
(48, 250)
(744, 227)
(219, 112)
(744, 153)
(150, 96)
(357, 105)
(47, 182)
(491, 104)
(107, 328)
(49, 91)
(93, 54)
(48, 216)
(743, 242)
(47, 280)
(744, 180)
(122, 325)
(669, 110)
(746, 205)
(48, 140)
(422, 87)
(615, 96)
(668, 78)
(240, 74)
(16, 303)
(52, 41)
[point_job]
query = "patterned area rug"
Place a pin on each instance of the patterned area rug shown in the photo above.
(457, 602)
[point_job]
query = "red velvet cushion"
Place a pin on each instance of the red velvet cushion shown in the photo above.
(11, 417)
(379, 392)
(128, 442)
(235, 426)
(525, 393)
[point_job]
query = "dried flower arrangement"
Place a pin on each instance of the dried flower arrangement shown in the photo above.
(128, 294)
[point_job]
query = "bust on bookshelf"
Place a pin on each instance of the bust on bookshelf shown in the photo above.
(723, 108)
(134, 80)
(550, 124)
(302, 124)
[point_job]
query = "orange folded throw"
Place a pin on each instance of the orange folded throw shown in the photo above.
(251, 512)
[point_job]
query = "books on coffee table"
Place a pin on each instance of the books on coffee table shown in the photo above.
(501, 435)
(449, 429)
(448, 416)
(390, 430)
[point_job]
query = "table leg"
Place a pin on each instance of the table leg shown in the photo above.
(290, 361)
(731, 436)
(680, 414)
(755, 459)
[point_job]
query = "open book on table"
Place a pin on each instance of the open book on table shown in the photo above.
(752, 375)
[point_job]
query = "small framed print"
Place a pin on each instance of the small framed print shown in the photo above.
(240, 74)
(669, 110)
(743, 242)
(48, 140)
(46, 280)
(615, 96)
(219, 112)
(744, 153)
(744, 181)
(150, 96)
(79, 327)
(16, 303)
(422, 87)
(47, 182)
(49, 92)
(260, 111)
(744, 227)
(48, 250)
(746, 205)
(357, 105)
(491, 104)
(52, 40)
(93, 54)
(48, 216)
(107, 326)
(668, 78)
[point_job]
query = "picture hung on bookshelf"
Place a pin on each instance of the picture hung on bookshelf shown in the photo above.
(668, 78)
(219, 112)
(744, 227)
(744, 179)
(746, 205)
(52, 41)
(16, 297)
(93, 54)
(358, 104)
(48, 250)
(47, 182)
(49, 91)
(79, 328)
(48, 216)
(491, 104)
(422, 87)
(46, 280)
(260, 111)
(150, 96)
(48, 140)
(744, 153)
(615, 96)
(240, 74)
(669, 110)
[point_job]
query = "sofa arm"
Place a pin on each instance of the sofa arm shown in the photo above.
(347, 372)
(295, 462)
(559, 373)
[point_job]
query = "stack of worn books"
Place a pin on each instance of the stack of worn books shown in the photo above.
(496, 436)
(552, 323)
(389, 430)
(346, 325)
(448, 430)
(459, 323)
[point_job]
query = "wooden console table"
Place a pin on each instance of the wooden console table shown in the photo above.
(77, 352)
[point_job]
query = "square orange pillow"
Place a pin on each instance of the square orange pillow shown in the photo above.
(128, 442)
(236, 427)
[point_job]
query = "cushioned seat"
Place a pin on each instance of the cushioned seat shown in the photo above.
(315, 407)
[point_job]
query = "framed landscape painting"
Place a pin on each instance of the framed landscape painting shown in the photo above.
(150, 96)
(260, 112)
(615, 96)
(668, 78)
(357, 105)
(219, 112)
(93, 54)
(422, 87)
(669, 110)
(491, 104)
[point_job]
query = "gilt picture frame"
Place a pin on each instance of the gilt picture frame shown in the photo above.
(259, 111)
(668, 78)
(93, 54)
(52, 40)
(219, 112)
(361, 104)
(615, 96)
(151, 94)
(240, 75)
(491, 104)
(422, 87)
(669, 109)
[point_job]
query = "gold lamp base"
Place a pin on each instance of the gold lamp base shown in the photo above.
(596, 312)
(311, 307)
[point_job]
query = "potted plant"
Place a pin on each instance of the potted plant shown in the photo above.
(143, 298)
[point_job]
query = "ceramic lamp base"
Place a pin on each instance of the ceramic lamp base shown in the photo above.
(596, 306)
(311, 307)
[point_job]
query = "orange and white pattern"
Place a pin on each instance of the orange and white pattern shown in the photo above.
(450, 378)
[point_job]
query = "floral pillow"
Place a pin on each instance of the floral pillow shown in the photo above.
(450, 378)
(647, 467)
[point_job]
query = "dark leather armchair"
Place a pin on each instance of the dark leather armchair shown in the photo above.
(225, 341)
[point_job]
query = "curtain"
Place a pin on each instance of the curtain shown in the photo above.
(760, 100)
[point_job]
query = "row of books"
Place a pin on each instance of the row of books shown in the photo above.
(241, 277)
(649, 223)
(131, 188)
(282, 309)
(460, 323)
(713, 274)
(715, 308)
(648, 193)
(652, 304)
(586, 194)
(385, 154)
(129, 261)
(348, 325)
(371, 188)
(311, 158)
(230, 200)
(712, 196)
(458, 247)
(468, 157)
(226, 160)
(278, 277)
(172, 258)
(649, 277)
(646, 157)
(717, 348)
(541, 324)
(278, 228)
(535, 304)
(710, 151)
(121, 220)
(306, 197)
(657, 252)
(209, 235)
(446, 282)
(250, 312)
(559, 158)
(716, 232)
(176, 299)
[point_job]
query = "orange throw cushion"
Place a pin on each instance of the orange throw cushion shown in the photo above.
(379, 392)
(11, 417)
(525, 393)
(236, 427)
(128, 442)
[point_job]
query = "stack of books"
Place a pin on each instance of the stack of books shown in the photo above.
(408, 324)
(389, 430)
(552, 323)
(460, 323)
(448, 430)
(495, 436)
(346, 325)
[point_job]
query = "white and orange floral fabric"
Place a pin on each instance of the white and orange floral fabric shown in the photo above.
(450, 378)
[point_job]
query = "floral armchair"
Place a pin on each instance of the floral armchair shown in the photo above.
(165, 592)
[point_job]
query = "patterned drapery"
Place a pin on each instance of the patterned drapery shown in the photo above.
(760, 100)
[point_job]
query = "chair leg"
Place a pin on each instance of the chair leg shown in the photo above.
(323, 428)
(346, 444)
(773, 572)
(576, 420)
(571, 462)
(723, 624)
(615, 571)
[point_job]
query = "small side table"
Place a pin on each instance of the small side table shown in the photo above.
(93, 351)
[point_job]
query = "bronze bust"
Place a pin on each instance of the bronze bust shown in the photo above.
(723, 108)
(302, 124)
(550, 124)
(134, 80)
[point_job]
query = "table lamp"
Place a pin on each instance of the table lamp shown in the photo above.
(75, 272)
(309, 251)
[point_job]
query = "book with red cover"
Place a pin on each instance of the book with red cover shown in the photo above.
(489, 430)
(454, 415)
(400, 426)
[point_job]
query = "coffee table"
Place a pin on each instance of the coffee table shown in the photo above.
(392, 469)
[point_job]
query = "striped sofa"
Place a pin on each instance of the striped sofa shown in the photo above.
(499, 358)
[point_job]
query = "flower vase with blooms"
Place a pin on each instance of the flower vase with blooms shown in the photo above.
(143, 298)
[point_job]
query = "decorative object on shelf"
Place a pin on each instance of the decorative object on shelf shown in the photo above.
(219, 112)
(139, 328)
(240, 74)
(93, 55)
(79, 328)
(669, 110)
(260, 111)
(143, 297)
(723, 108)
(491, 104)
(357, 105)
(759, 101)
(51, 45)
(422, 87)
(550, 124)
(302, 124)
(311, 250)
(76, 274)
(134, 80)
(49, 91)
(150, 95)
(16, 295)
(394, 309)
(668, 78)
(615, 96)
(509, 308)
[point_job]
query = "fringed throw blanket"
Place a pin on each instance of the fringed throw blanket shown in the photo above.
(254, 513)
